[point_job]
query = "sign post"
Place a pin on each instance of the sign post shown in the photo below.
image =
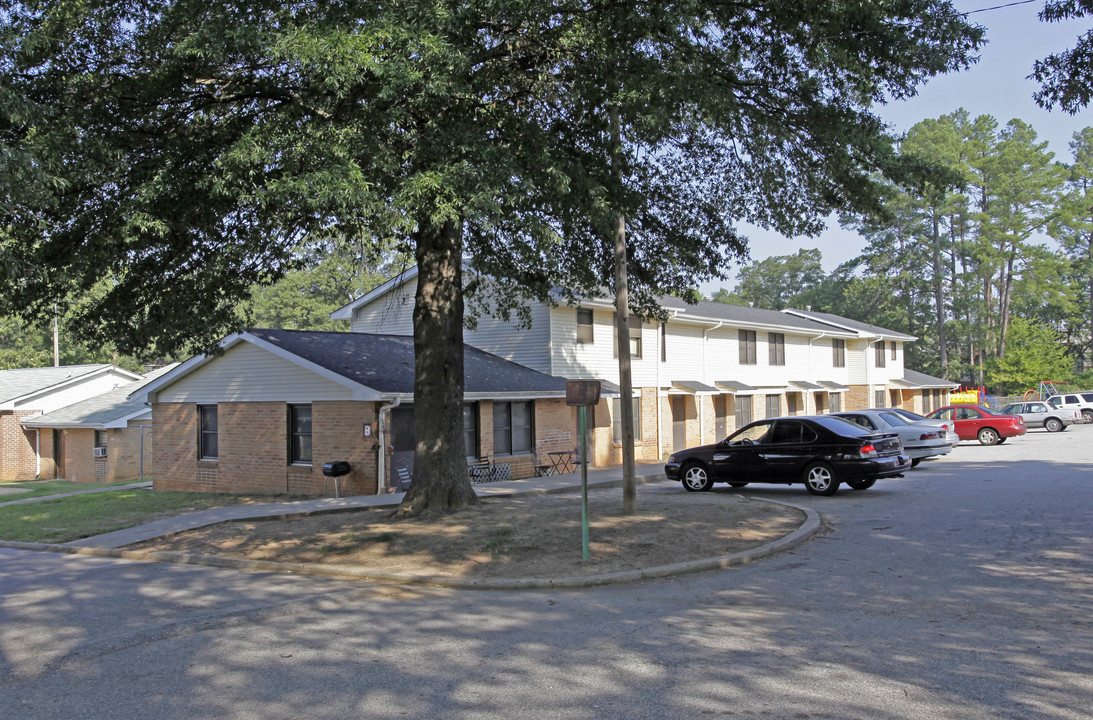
(582, 393)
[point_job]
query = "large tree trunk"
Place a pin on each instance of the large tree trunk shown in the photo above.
(622, 323)
(441, 481)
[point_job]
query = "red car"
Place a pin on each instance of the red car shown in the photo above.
(975, 422)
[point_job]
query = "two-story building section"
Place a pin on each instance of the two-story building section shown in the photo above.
(698, 375)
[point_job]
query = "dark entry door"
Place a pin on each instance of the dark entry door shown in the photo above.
(402, 443)
(679, 422)
(58, 454)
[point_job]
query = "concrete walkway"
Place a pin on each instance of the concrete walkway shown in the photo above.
(89, 491)
(112, 544)
(528, 486)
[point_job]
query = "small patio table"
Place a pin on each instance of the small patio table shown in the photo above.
(562, 461)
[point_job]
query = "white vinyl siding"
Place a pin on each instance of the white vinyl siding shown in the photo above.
(247, 373)
(391, 314)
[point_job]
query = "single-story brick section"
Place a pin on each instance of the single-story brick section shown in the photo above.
(264, 415)
(28, 452)
(105, 439)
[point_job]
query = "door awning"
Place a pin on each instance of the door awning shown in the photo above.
(805, 385)
(693, 387)
(735, 386)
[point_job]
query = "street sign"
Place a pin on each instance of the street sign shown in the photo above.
(582, 393)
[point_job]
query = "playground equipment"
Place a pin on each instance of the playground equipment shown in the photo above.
(973, 396)
(1046, 389)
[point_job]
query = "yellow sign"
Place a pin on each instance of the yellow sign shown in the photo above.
(969, 396)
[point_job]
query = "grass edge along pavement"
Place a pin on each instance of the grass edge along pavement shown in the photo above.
(807, 529)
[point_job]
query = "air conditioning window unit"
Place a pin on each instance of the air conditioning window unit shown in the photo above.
(98, 452)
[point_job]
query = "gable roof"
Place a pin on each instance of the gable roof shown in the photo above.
(863, 329)
(704, 312)
(378, 364)
(922, 380)
(20, 384)
(112, 409)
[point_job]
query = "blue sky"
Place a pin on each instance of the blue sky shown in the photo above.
(996, 86)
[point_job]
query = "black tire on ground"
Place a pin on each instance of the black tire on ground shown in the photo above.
(820, 479)
(1088, 415)
(989, 436)
(914, 463)
(861, 484)
(696, 478)
(1053, 424)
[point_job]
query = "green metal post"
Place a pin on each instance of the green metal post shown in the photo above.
(584, 485)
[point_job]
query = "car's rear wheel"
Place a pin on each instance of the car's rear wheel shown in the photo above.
(820, 479)
(696, 478)
(861, 484)
(988, 436)
(737, 484)
(1053, 424)
(1088, 415)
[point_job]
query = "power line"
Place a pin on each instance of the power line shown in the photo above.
(999, 7)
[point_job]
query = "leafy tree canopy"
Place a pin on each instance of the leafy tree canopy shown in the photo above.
(1066, 77)
(195, 143)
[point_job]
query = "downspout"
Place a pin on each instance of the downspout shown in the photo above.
(381, 480)
(37, 452)
(705, 379)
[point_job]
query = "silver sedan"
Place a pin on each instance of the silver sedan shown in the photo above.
(1040, 414)
(920, 440)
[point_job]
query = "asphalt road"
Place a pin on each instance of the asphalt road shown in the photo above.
(961, 591)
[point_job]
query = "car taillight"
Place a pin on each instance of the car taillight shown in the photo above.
(868, 450)
(929, 435)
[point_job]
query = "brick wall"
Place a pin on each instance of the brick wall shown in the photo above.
(18, 447)
(253, 449)
(175, 464)
(858, 397)
(79, 466)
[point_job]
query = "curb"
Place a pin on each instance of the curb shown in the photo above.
(807, 529)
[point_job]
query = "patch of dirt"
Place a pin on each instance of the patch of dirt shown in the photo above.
(528, 536)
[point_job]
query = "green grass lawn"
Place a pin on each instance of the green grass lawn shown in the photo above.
(71, 518)
(38, 488)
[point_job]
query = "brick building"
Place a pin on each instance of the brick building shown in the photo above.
(268, 412)
(698, 375)
(26, 451)
(106, 438)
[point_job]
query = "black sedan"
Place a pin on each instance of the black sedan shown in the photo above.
(818, 450)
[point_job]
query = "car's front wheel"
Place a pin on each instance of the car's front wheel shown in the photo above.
(1053, 424)
(861, 484)
(696, 478)
(820, 479)
(914, 463)
(988, 436)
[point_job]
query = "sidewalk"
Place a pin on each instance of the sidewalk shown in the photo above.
(109, 488)
(113, 544)
(528, 486)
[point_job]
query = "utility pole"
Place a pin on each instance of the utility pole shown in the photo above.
(56, 339)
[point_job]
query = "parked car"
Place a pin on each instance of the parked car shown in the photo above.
(948, 425)
(1080, 401)
(920, 439)
(820, 451)
(975, 422)
(1040, 414)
